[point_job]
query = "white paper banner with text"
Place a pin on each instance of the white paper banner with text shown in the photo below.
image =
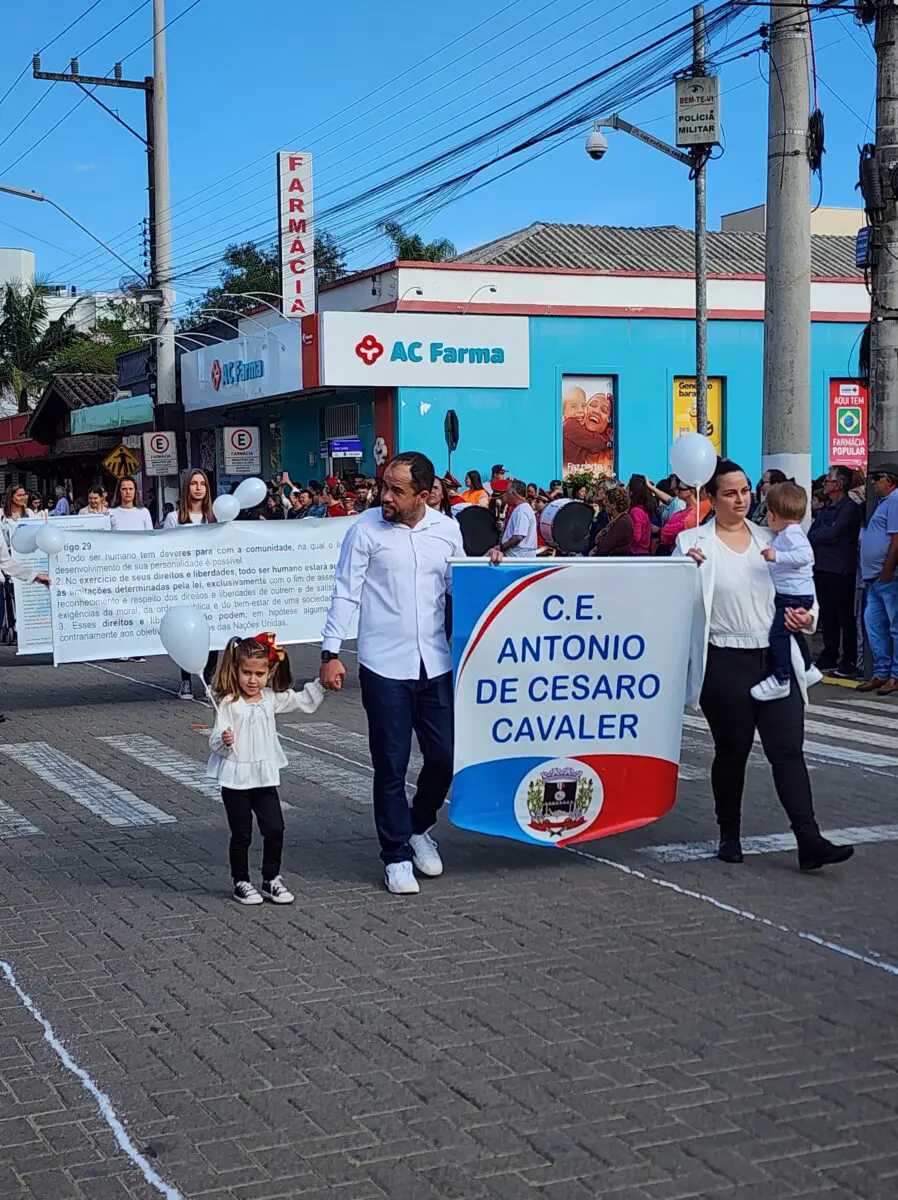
(34, 628)
(111, 590)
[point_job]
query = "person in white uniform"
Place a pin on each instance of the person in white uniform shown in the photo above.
(729, 654)
(127, 512)
(194, 508)
(519, 539)
(394, 574)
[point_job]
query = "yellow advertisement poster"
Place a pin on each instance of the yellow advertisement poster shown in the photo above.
(684, 408)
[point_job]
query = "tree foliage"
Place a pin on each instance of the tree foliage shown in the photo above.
(116, 332)
(251, 271)
(411, 247)
(30, 343)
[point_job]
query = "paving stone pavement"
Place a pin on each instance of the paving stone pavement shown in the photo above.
(533, 1025)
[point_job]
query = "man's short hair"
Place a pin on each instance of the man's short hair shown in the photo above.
(517, 487)
(788, 500)
(419, 465)
(843, 475)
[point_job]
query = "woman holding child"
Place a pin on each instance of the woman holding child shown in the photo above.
(729, 657)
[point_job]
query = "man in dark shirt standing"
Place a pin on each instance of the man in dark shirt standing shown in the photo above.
(834, 536)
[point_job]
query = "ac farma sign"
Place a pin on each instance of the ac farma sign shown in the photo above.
(423, 350)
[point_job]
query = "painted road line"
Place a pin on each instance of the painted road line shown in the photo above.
(321, 773)
(826, 753)
(771, 843)
(321, 770)
(865, 736)
(843, 713)
(744, 914)
(113, 804)
(12, 824)
(180, 768)
(329, 735)
(883, 706)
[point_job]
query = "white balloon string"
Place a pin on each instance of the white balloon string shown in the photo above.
(210, 697)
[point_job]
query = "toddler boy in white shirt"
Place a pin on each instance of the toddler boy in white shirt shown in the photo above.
(790, 560)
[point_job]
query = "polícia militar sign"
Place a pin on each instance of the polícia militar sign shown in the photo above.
(569, 691)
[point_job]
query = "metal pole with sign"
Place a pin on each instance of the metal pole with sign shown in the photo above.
(698, 127)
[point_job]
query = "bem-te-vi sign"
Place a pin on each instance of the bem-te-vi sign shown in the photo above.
(423, 350)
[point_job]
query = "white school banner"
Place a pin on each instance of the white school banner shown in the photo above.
(111, 590)
(34, 628)
(569, 689)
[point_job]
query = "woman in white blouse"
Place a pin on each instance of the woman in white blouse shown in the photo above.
(127, 512)
(728, 656)
(194, 508)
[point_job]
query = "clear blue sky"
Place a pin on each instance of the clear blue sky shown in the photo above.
(248, 78)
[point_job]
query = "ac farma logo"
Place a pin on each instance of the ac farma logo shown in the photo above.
(369, 350)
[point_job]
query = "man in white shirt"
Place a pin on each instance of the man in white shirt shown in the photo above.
(394, 573)
(519, 539)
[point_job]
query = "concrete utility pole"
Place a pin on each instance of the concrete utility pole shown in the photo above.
(701, 240)
(883, 412)
(786, 429)
(161, 209)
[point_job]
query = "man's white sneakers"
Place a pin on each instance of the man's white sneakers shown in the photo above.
(771, 689)
(425, 856)
(400, 879)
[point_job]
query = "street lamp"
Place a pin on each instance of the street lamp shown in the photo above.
(484, 287)
(14, 191)
(597, 148)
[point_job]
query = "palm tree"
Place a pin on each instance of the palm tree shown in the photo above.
(411, 247)
(29, 342)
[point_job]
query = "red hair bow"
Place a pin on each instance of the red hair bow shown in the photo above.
(276, 653)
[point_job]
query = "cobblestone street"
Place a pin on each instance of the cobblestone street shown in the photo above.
(636, 1021)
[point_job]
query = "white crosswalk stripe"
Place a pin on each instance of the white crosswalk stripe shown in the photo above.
(771, 843)
(327, 774)
(330, 736)
(88, 788)
(180, 768)
(846, 712)
(829, 751)
(13, 824)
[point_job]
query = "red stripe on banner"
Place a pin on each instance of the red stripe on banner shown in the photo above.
(637, 791)
(503, 602)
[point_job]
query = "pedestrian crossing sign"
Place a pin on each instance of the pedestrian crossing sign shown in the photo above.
(122, 462)
(848, 421)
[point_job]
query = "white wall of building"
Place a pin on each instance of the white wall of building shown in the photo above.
(16, 264)
(455, 289)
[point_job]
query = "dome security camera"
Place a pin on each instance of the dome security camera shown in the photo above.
(596, 144)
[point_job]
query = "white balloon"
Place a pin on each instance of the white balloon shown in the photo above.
(226, 508)
(693, 458)
(50, 540)
(184, 632)
(25, 539)
(251, 492)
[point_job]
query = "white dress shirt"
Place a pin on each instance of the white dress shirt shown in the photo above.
(792, 571)
(396, 579)
(521, 523)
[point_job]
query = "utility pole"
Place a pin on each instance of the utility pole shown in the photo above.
(167, 413)
(883, 401)
(786, 428)
(699, 160)
(160, 217)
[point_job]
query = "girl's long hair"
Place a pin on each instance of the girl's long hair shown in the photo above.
(184, 499)
(226, 683)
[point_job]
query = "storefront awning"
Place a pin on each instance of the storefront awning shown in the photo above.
(118, 414)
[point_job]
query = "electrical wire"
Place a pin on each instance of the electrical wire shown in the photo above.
(71, 25)
(393, 96)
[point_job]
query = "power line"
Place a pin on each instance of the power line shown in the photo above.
(90, 8)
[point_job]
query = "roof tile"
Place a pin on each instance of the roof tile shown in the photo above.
(663, 248)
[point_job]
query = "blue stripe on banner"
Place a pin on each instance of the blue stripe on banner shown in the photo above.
(483, 797)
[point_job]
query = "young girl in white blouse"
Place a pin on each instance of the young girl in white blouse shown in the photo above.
(253, 685)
